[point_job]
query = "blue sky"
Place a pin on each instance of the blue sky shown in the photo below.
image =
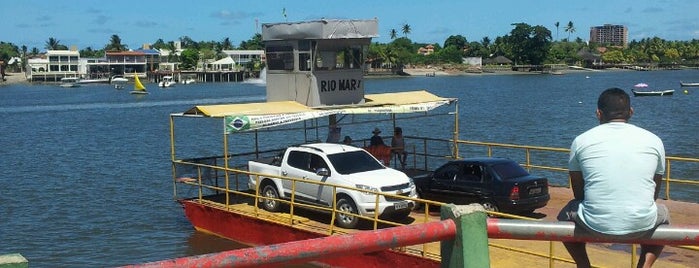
(86, 23)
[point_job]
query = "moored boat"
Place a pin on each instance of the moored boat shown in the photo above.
(167, 82)
(642, 93)
(689, 84)
(68, 82)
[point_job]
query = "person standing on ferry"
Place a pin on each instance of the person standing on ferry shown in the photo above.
(615, 172)
(398, 146)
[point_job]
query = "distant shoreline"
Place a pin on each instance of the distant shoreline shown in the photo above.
(19, 78)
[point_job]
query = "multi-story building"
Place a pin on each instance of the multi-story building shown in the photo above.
(242, 57)
(54, 65)
(608, 34)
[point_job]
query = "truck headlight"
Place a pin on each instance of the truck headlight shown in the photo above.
(366, 188)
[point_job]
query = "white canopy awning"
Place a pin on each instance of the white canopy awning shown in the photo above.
(251, 116)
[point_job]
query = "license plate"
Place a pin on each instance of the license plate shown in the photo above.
(534, 191)
(401, 205)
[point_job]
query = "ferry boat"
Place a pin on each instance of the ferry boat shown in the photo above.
(314, 84)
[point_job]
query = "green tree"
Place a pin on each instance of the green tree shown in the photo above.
(189, 59)
(557, 24)
(172, 57)
(393, 34)
(450, 54)
(160, 44)
(569, 29)
(406, 30)
(88, 52)
(486, 44)
(24, 57)
(115, 44)
(613, 56)
(7, 51)
(188, 42)
(529, 45)
(254, 43)
(456, 40)
(226, 44)
(54, 44)
(672, 54)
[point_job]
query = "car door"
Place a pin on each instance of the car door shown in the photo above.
(470, 183)
(299, 166)
(318, 192)
(441, 184)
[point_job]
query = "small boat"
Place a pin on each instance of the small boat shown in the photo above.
(189, 81)
(167, 82)
(666, 92)
(68, 82)
(118, 81)
(138, 88)
(93, 81)
(689, 84)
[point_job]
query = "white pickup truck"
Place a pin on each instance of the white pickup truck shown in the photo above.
(334, 164)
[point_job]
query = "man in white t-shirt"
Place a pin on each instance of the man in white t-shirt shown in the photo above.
(615, 170)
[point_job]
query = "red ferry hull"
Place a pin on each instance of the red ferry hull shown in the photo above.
(255, 232)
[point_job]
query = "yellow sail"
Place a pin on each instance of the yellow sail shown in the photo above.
(137, 84)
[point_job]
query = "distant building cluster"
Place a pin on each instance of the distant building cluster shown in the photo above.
(608, 34)
(56, 64)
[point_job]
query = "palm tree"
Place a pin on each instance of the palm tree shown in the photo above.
(406, 29)
(115, 44)
(52, 44)
(172, 57)
(226, 44)
(24, 57)
(557, 24)
(486, 44)
(393, 34)
(570, 29)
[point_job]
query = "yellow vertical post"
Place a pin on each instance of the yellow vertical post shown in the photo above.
(226, 158)
(456, 131)
(172, 157)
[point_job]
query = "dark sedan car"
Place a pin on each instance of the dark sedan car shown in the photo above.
(499, 184)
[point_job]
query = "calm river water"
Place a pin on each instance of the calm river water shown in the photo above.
(87, 183)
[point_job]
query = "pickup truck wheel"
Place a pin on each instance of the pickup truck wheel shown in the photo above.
(345, 204)
(268, 204)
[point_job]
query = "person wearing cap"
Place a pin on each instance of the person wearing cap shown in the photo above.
(378, 148)
(376, 138)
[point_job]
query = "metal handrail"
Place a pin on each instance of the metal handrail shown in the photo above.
(529, 163)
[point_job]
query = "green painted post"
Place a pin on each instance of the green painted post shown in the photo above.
(469, 249)
(13, 261)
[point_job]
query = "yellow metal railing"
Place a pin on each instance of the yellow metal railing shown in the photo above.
(530, 162)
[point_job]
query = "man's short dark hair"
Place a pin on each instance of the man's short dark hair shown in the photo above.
(614, 103)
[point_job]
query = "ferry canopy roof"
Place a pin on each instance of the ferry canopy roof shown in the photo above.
(251, 116)
(320, 29)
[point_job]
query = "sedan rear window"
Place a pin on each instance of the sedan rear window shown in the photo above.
(509, 170)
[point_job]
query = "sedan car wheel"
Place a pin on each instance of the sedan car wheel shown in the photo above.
(490, 206)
